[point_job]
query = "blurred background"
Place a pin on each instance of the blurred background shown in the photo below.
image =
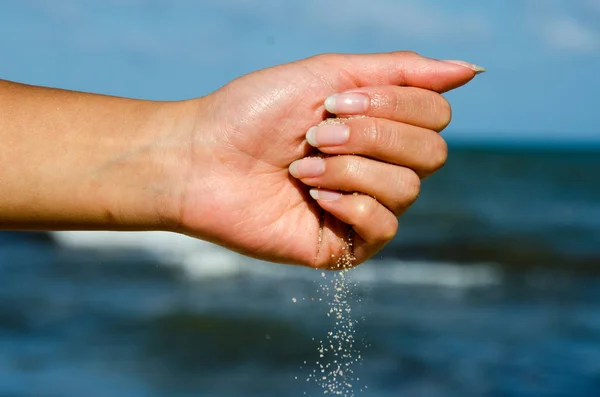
(491, 288)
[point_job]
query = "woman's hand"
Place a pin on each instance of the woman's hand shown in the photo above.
(253, 157)
(231, 167)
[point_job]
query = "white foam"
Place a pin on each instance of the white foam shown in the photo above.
(429, 273)
(163, 244)
(201, 260)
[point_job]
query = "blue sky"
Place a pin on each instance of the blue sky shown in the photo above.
(542, 56)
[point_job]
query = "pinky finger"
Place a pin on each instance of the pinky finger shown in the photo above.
(374, 224)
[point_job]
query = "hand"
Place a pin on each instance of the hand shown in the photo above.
(237, 190)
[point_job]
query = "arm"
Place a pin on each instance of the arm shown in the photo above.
(71, 160)
(229, 167)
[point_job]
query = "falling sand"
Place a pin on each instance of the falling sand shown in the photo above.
(338, 353)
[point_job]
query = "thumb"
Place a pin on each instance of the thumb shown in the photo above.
(395, 68)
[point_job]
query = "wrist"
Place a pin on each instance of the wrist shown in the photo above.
(194, 166)
(160, 166)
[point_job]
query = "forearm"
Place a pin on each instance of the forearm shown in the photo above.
(72, 160)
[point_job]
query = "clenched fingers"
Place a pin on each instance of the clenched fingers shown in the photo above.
(393, 186)
(420, 149)
(374, 224)
(410, 105)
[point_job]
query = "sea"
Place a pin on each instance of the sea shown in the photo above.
(490, 288)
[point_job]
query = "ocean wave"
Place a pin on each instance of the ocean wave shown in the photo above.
(200, 260)
(515, 252)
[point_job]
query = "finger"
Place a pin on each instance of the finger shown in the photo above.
(394, 68)
(419, 149)
(393, 186)
(409, 105)
(374, 224)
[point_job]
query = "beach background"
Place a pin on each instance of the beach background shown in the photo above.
(491, 288)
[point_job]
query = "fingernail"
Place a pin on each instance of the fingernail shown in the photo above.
(307, 168)
(347, 103)
(325, 195)
(328, 135)
(476, 68)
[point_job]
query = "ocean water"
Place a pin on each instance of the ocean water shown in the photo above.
(491, 288)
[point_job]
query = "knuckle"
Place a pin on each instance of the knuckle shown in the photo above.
(389, 230)
(325, 58)
(408, 101)
(411, 188)
(409, 54)
(365, 210)
(350, 169)
(444, 112)
(372, 131)
(386, 231)
(438, 153)
(362, 211)
(376, 137)
(402, 102)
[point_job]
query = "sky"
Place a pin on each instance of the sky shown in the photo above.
(542, 56)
